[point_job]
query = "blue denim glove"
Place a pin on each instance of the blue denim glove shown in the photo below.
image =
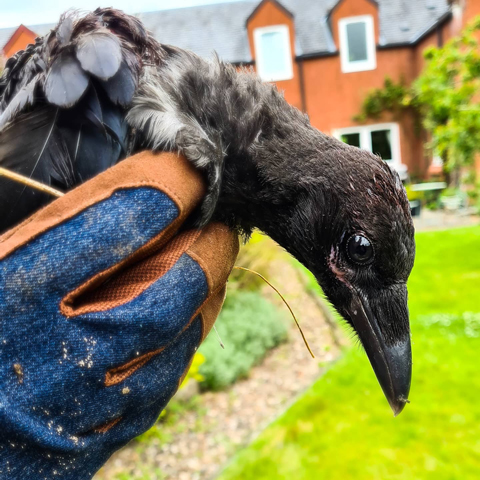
(102, 307)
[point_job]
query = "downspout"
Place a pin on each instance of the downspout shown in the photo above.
(439, 36)
(301, 79)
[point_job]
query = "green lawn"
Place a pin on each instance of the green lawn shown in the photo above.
(342, 427)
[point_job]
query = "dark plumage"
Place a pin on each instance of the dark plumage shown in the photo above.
(341, 211)
(63, 101)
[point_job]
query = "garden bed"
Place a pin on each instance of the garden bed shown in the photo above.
(199, 438)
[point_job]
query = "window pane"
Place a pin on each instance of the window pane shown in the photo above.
(382, 143)
(351, 139)
(274, 56)
(357, 41)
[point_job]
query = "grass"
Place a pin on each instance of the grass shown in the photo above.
(342, 428)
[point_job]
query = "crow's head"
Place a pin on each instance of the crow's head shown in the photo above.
(360, 247)
(339, 210)
(344, 214)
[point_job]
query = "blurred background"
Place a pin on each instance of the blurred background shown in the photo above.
(401, 79)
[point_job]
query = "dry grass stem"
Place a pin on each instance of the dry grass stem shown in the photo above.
(30, 183)
(284, 301)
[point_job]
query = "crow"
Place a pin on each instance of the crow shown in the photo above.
(99, 88)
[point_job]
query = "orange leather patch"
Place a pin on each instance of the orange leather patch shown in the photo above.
(211, 310)
(129, 283)
(108, 426)
(117, 375)
(215, 251)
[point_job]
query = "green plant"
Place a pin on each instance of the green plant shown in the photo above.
(194, 370)
(444, 97)
(413, 195)
(249, 326)
(393, 97)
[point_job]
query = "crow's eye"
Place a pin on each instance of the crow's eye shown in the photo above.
(360, 249)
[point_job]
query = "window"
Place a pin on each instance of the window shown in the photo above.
(273, 53)
(357, 44)
(382, 139)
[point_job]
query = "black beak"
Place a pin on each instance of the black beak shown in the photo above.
(388, 348)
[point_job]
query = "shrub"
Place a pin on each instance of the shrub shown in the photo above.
(249, 326)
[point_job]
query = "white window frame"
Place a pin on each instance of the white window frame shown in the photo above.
(366, 138)
(286, 74)
(359, 66)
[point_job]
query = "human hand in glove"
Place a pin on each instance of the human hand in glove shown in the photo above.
(102, 307)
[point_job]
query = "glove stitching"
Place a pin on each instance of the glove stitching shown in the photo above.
(117, 375)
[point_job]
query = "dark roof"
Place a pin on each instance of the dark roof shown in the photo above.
(407, 21)
(222, 27)
(274, 2)
(205, 29)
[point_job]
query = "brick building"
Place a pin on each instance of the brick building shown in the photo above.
(325, 54)
(17, 38)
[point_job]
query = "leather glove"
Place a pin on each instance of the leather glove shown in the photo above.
(103, 304)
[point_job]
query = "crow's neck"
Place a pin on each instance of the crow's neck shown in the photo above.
(264, 185)
(274, 159)
(271, 154)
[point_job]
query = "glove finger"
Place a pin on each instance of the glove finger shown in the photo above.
(99, 225)
(151, 303)
(142, 389)
(135, 404)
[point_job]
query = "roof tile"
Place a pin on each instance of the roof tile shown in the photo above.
(222, 27)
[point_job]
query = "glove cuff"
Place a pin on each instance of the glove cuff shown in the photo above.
(168, 172)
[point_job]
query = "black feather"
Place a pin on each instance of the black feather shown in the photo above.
(22, 99)
(66, 82)
(92, 110)
(26, 147)
(99, 53)
(64, 29)
(121, 87)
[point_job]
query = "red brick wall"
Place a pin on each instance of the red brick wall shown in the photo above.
(472, 9)
(19, 41)
(353, 8)
(333, 98)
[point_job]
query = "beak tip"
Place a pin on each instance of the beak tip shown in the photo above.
(391, 361)
(398, 405)
(397, 410)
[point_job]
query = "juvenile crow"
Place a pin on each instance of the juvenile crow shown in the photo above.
(339, 210)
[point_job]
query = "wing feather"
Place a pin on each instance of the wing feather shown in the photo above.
(66, 82)
(99, 53)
